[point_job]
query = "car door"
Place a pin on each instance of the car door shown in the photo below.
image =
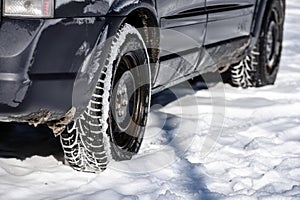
(183, 24)
(233, 17)
(228, 20)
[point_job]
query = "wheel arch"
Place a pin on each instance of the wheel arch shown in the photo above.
(148, 27)
(143, 16)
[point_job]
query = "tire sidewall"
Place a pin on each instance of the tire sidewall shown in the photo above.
(132, 43)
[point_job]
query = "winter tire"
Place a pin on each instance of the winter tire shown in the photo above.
(261, 66)
(113, 124)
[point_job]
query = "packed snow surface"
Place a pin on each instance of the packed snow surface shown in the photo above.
(256, 155)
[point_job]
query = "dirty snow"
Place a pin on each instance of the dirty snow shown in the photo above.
(257, 154)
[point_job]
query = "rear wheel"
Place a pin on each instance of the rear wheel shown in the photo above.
(113, 124)
(261, 66)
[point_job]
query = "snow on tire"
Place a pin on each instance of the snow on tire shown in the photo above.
(88, 141)
(241, 73)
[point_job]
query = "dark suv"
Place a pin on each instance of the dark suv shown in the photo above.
(87, 69)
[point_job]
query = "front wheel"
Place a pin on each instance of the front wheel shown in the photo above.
(261, 66)
(113, 124)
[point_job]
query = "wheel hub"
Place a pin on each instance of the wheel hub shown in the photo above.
(125, 88)
(271, 45)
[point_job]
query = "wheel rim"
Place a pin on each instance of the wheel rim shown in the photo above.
(127, 101)
(272, 38)
(123, 110)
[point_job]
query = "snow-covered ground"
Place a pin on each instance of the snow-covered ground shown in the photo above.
(257, 154)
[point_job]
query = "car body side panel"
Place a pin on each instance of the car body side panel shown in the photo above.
(233, 17)
(228, 31)
(182, 34)
(233, 23)
(167, 8)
